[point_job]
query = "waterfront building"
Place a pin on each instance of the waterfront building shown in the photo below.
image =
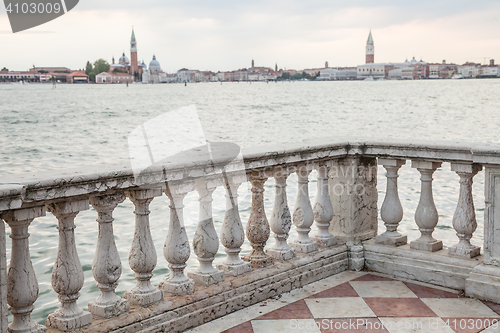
(380, 70)
(395, 74)
(370, 49)
(50, 69)
(110, 77)
(14, 76)
(490, 71)
(469, 70)
(329, 74)
(442, 70)
(77, 77)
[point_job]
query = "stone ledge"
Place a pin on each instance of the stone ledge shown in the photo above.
(435, 268)
(176, 314)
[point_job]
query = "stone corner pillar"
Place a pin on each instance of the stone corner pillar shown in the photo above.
(3, 280)
(353, 191)
(484, 280)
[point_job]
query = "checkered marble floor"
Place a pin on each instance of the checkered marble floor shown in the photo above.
(362, 302)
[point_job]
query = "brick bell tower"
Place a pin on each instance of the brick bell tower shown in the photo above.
(370, 49)
(134, 67)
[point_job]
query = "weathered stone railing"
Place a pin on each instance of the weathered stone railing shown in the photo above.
(345, 233)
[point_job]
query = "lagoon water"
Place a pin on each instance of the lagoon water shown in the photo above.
(46, 129)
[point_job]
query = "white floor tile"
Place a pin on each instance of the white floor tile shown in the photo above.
(459, 308)
(415, 324)
(342, 307)
(286, 326)
(395, 289)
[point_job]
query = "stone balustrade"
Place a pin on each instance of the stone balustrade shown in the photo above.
(336, 232)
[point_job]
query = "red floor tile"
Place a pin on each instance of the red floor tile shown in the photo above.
(493, 306)
(399, 307)
(354, 325)
(371, 277)
(469, 325)
(343, 290)
(426, 292)
(243, 328)
(297, 310)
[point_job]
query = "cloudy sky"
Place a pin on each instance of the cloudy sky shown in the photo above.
(227, 34)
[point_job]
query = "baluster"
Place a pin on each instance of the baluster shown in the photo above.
(426, 215)
(392, 210)
(22, 285)
(303, 215)
(67, 275)
(464, 219)
(281, 220)
(232, 233)
(107, 266)
(323, 210)
(176, 248)
(205, 241)
(258, 227)
(142, 257)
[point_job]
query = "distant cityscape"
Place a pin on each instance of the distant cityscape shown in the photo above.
(127, 70)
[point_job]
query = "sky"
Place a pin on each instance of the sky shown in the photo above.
(221, 35)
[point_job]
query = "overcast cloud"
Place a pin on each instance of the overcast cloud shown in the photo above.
(225, 35)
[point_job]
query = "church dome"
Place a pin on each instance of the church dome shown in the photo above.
(413, 61)
(124, 60)
(143, 65)
(154, 65)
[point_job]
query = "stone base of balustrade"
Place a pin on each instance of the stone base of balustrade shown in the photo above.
(109, 310)
(175, 288)
(304, 247)
(207, 279)
(427, 246)
(258, 260)
(280, 254)
(143, 298)
(484, 283)
(437, 268)
(356, 257)
(33, 328)
(470, 252)
(66, 324)
(180, 313)
(324, 242)
(235, 270)
(391, 240)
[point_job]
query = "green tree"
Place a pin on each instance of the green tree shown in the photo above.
(88, 68)
(119, 70)
(91, 76)
(5, 69)
(100, 66)
(285, 76)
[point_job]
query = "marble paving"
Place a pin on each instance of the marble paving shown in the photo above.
(363, 302)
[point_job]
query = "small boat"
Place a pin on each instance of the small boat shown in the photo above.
(370, 78)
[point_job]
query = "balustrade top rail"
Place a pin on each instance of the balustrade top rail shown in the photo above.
(18, 191)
